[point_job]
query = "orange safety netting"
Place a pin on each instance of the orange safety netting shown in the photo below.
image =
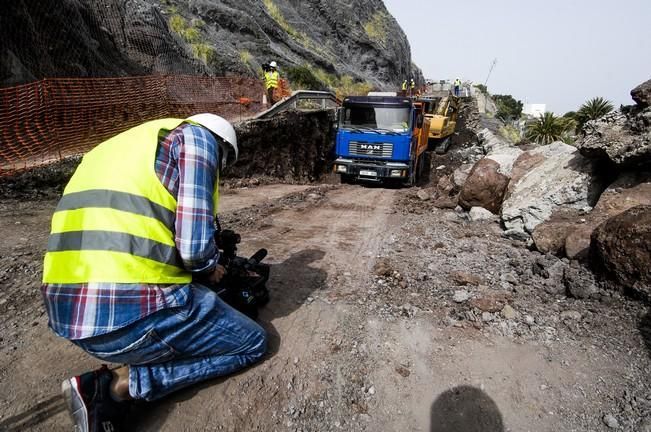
(54, 118)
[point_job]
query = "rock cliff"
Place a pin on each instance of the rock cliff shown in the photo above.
(337, 41)
(622, 137)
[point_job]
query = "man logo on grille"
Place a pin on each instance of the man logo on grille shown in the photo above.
(370, 147)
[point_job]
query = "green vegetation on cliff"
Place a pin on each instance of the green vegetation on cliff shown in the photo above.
(377, 28)
(191, 33)
(306, 77)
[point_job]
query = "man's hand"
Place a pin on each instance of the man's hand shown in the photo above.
(217, 274)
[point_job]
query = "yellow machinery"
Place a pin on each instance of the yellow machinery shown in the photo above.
(442, 113)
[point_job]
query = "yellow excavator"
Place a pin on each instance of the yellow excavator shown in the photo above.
(442, 113)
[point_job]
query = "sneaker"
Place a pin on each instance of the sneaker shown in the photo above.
(90, 403)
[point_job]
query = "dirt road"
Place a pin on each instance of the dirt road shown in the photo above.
(351, 350)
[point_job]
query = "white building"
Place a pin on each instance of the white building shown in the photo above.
(534, 110)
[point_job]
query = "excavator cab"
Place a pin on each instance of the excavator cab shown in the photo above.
(442, 113)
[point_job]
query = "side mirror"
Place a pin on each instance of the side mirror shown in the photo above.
(419, 121)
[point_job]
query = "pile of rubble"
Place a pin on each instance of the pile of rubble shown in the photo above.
(467, 276)
(590, 203)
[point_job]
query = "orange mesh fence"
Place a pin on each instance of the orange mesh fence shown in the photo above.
(54, 118)
(283, 90)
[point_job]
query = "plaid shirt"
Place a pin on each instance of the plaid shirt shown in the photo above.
(186, 164)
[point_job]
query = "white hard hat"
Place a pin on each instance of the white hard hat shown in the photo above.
(224, 130)
(273, 64)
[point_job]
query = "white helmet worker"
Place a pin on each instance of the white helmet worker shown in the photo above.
(273, 64)
(225, 133)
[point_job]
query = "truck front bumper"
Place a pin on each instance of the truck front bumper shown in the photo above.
(371, 170)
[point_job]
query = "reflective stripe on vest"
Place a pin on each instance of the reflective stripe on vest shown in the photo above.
(115, 221)
(271, 79)
(115, 242)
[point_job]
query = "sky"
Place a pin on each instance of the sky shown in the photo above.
(557, 52)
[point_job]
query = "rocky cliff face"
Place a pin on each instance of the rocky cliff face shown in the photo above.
(338, 40)
(622, 137)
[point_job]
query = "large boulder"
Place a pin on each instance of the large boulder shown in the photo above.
(522, 165)
(485, 187)
(630, 190)
(505, 158)
(499, 150)
(620, 249)
(490, 142)
(460, 175)
(551, 235)
(642, 94)
(556, 175)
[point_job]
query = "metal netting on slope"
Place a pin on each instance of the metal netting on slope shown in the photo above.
(88, 70)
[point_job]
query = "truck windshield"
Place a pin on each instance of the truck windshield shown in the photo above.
(376, 118)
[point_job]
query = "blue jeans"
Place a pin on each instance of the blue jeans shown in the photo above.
(178, 347)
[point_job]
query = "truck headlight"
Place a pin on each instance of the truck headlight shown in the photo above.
(396, 173)
(342, 168)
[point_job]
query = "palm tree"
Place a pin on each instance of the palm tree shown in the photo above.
(593, 109)
(548, 128)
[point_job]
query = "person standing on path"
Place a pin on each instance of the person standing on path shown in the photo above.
(457, 87)
(271, 81)
(132, 232)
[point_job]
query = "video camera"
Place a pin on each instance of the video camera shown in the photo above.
(266, 66)
(244, 285)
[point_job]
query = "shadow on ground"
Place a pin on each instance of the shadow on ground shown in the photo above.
(34, 416)
(290, 284)
(466, 409)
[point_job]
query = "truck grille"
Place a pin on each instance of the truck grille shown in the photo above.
(384, 150)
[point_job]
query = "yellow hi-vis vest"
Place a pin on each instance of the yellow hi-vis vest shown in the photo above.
(115, 220)
(271, 79)
(404, 85)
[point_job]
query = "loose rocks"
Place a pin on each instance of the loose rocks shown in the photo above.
(611, 421)
(463, 279)
(460, 296)
(579, 282)
(480, 214)
(382, 267)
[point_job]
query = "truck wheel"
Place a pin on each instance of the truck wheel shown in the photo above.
(423, 166)
(419, 169)
(411, 181)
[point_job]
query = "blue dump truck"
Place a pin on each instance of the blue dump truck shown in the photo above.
(381, 139)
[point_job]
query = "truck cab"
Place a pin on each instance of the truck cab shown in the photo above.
(381, 138)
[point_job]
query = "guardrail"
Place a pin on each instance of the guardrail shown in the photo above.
(303, 100)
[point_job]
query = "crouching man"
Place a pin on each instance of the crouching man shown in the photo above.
(132, 231)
